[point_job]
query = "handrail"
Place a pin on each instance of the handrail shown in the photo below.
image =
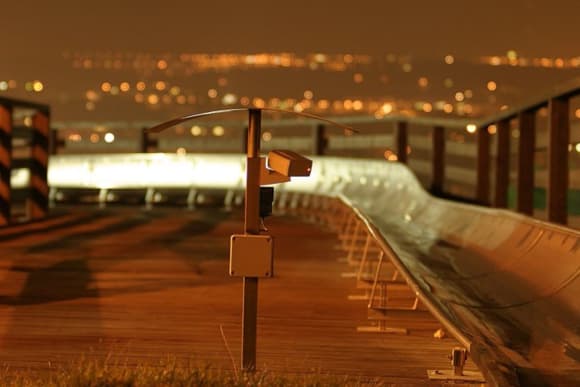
(279, 122)
(565, 90)
(558, 101)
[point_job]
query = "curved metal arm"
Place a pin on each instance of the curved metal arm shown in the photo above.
(168, 124)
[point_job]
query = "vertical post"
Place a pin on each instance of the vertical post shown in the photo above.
(402, 141)
(147, 142)
(558, 139)
(144, 144)
(251, 226)
(320, 141)
(438, 160)
(245, 140)
(37, 203)
(53, 142)
(502, 164)
(482, 187)
(525, 183)
(5, 162)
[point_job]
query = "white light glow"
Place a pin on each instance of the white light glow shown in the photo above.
(109, 137)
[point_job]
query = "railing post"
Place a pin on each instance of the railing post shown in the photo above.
(502, 164)
(482, 187)
(144, 144)
(402, 141)
(558, 139)
(147, 142)
(54, 142)
(245, 140)
(37, 203)
(525, 182)
(5, 163)
(438, 160)
(320, 141)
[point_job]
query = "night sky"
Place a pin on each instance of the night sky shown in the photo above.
(37, 36)
(421, 28)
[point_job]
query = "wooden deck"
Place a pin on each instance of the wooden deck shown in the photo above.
(141, 286)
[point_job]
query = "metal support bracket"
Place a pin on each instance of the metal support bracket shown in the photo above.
(457, 373)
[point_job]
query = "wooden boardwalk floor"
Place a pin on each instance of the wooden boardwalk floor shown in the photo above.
(140, 286)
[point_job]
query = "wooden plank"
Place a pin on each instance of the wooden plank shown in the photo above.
(160, 288)
(438, 160)
(502, 164)
(558, 140)
(402, 141)
(526, 149)
(482, 185)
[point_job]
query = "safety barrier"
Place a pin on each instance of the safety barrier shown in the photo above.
(35, 135)
(5, 162)
(37, 203)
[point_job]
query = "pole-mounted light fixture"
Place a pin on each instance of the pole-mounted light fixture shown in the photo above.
(251, 253)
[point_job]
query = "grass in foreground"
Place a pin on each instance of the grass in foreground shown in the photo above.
(168, 373)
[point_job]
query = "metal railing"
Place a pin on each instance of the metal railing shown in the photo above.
(558, 103)
(475, 170)
(483, 273)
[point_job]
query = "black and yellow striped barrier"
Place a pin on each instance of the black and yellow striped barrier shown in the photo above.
(36, 138)
(37, 202)
(5, 162)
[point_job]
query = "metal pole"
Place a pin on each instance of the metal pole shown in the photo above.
(251, 226)
(245, 140)
(558, 169)
(401, 134)
(53, 143)
(482, 188)
(320, 141)
(144, 144)
(502, 164)
(527, 145)
(438, 178)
